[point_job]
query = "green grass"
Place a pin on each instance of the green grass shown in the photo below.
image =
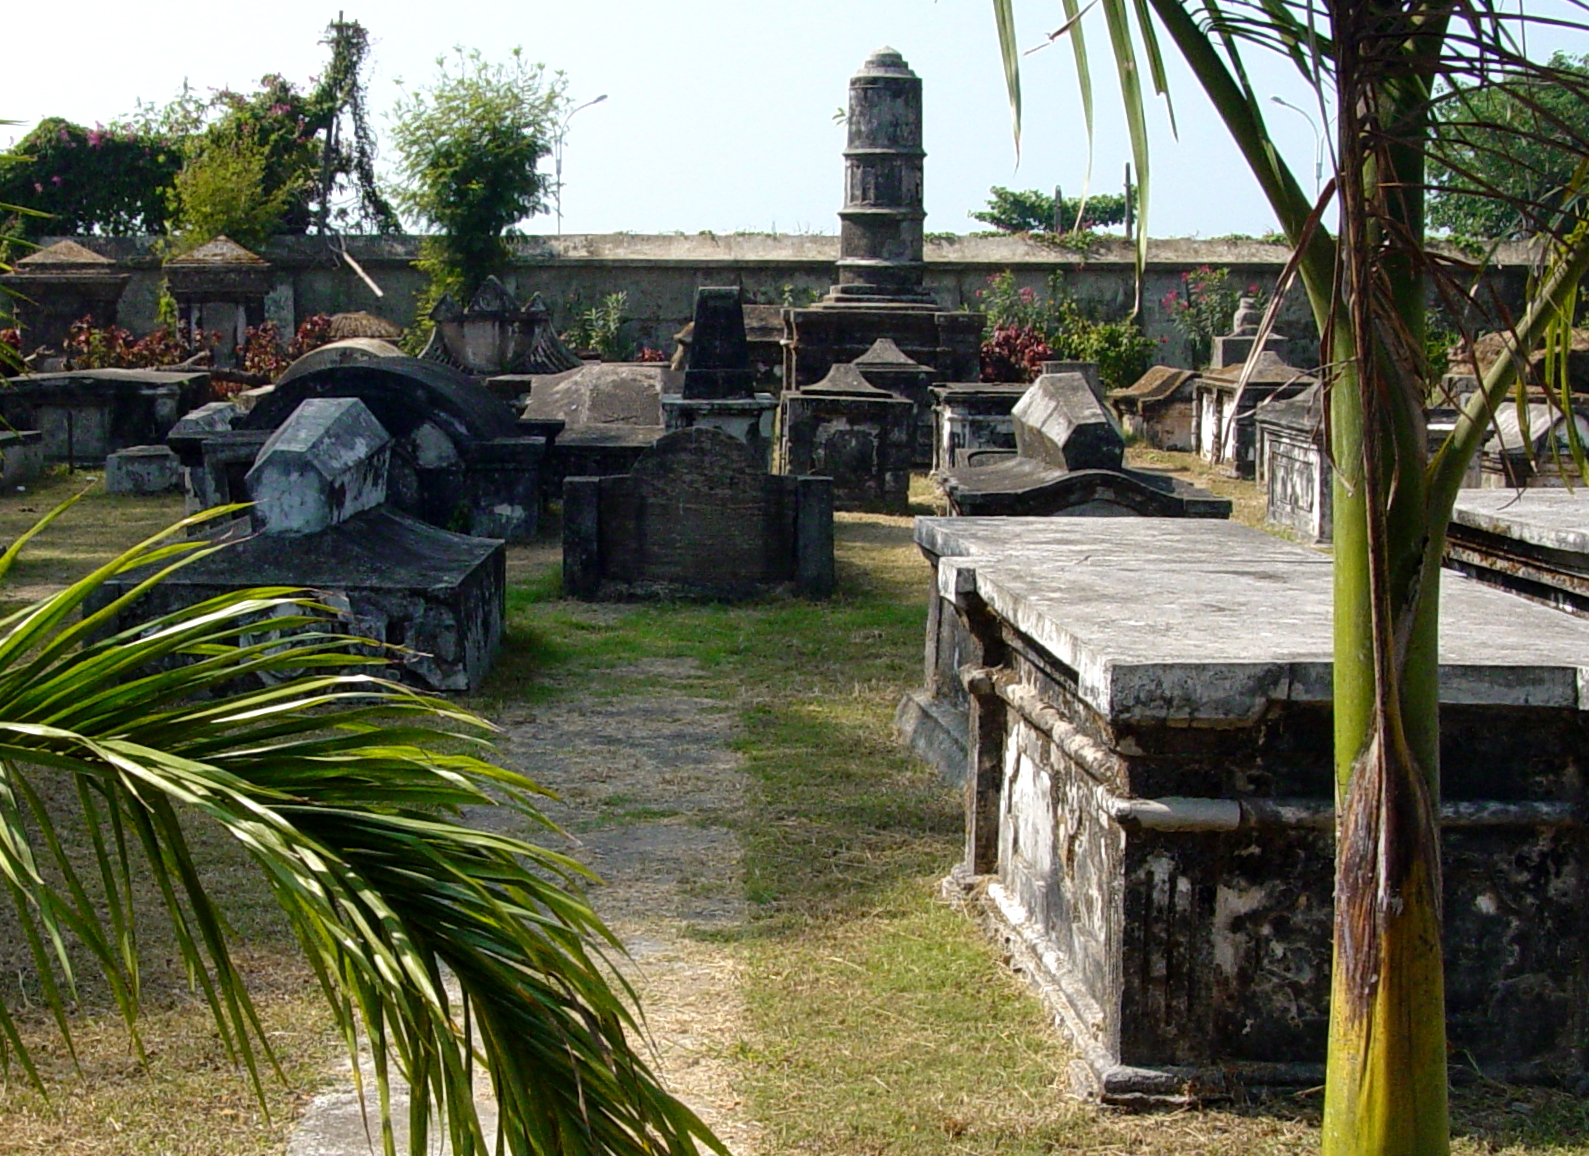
(880, 1021)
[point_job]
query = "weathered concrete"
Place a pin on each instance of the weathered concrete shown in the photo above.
(143, 470)
(87, 414)
(1069, 460)
(971, 416)
(460, 460)
(54, 288)
(385, 576)
(1293, 467)
(1143, 708)
(1534, 543)
(321, 466)
(21, 456)
(860, 436)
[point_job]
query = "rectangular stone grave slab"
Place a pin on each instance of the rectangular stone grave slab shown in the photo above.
(1140, 713)
(1534, 542)
(387, 576)
(143, 470)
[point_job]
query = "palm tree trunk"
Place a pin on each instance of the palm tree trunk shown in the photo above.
(1386, 1085)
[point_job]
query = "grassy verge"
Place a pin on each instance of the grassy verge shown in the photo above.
(879, 1020)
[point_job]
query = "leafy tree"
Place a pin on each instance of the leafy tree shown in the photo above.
(90, 180)
(469, 150)
(345, 790)
(231, 187)
(1032, 211)
(1379, 64)
(314, 151)
(1503, 153)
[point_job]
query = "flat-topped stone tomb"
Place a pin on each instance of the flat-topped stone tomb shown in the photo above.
(698, 516)
(1534, 543)
(1140, 713)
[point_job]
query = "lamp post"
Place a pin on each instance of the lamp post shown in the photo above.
(1318, 141)
(557, 157)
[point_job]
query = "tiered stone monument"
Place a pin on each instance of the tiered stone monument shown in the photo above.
(433, 601)
(862, 437)
(1069, 459)
(220, 287)
(59, 285)
(719, 386)
(881, 264)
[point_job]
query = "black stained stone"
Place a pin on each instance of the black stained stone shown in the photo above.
(719, 353)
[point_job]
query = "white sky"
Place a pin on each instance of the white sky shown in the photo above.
(719, 112)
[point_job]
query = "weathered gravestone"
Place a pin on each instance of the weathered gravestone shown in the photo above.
(51, 290)
(1069, 459)
(87, 414)
(323, 465)
(698, 516)
(142, 470)
(318, 486)
(719, 387)
(970, 416)
(849, 430)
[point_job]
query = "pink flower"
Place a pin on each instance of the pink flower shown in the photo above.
(56, 181)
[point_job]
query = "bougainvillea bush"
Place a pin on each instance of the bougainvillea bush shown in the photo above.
(89, 346)
(1202, 309)
(1025, 328)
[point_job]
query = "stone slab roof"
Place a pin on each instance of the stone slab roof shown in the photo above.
(1555, 519)
(63, 253)
(1157, 384)
(1208, 622)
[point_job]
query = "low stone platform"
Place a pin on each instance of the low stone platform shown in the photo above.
(1533, 542)
(1140, 711)
(389, 577)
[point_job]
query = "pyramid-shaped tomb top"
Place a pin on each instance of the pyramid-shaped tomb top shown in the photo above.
(884, 354)
(843, 377)
(220, 251)
(64, 253)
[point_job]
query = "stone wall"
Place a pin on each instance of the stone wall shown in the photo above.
(661, 273)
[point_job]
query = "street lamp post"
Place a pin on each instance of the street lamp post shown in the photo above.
(557, 158)
(1318, 141)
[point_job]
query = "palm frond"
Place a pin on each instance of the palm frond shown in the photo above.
(345, 789)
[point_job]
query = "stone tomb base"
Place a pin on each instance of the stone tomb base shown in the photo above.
(1141, 708)
(697, 517)
(390, 578)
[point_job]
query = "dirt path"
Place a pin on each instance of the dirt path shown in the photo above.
(648, 790)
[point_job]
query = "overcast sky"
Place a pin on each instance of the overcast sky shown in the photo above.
(718, 113)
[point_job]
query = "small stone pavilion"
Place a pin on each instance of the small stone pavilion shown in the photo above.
(880, 293)
(220, 287)
(59, 285)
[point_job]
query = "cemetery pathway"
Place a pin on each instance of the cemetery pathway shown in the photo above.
(648, 788)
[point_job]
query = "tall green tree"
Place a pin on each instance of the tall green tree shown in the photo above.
(1503, 154)
(346, 790)
(469, 149)
(1033, 211)
(1378, 67)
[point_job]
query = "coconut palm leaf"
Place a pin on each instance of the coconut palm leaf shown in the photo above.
(438, 945)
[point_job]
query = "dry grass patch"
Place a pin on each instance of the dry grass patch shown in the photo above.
(1248, 501)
